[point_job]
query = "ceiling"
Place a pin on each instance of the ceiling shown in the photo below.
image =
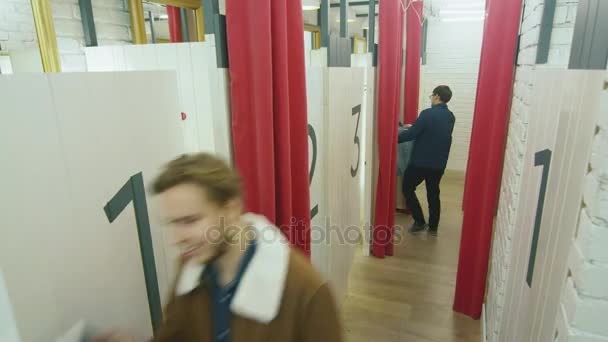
(444, 9)
(355, 25)
(457, 10)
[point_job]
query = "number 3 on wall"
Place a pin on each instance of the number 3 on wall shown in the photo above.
(134, 191)
(353, 171)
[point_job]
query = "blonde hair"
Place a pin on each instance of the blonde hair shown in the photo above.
(220, 181)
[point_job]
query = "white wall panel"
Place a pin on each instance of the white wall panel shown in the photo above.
(563, 121)
(34, 202)
(26, 60)
(99, 59)
(345, 91)
(201, 91)
(202, 87)
(68, 154)
(185, 86)
(220, 110)
(368, 141)
(318, 57)
(6, 66)
(135, 58)
(342, 196)
(8, 327)
(307, 47)
(317, 136)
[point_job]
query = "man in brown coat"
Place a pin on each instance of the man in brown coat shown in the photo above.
(239, 279)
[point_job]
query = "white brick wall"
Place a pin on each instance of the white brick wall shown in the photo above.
(454, 61)
(511, 180)
(510, 189)
(585, 297)
(17, 27)
(563, 30)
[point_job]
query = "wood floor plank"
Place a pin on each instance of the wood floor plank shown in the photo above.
(409, 297)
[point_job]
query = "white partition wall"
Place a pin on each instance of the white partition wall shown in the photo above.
(317, 156)
(338, 115)
(368, 155)
(454, 61)
(346, 90)
(563, 118)
(69, 142)
(203, 88)
(8, 327)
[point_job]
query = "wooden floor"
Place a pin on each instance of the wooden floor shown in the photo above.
(408, 297)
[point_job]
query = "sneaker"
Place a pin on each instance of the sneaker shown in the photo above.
(433, 232)
(417, 228)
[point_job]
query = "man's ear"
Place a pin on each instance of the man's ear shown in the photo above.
(234, 208)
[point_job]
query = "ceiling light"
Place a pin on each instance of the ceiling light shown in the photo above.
(463, 6)
(163, 17)
(311, 5)
(479, 12)
(464, 19)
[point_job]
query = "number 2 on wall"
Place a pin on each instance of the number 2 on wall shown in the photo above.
(353, 171)
(542, 158)
(133, 191)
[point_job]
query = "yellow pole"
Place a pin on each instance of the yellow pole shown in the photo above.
(200, 24)
(45, 30)
(138, 29)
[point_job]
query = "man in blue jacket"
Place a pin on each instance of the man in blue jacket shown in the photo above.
(433, 134)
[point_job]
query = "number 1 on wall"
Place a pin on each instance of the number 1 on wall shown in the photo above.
(542, 158)
(134, 191)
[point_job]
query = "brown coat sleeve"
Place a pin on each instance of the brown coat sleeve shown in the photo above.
(322, 322)
(171, 328)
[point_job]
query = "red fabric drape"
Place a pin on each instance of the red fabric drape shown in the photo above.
(389, 87)
(413, 44)
(486, 151)
(175, 24)
(269, 117)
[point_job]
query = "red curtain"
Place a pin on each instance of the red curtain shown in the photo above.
(175, 24)
(413, 44)
(269, 117)
(486, 151)
(390, 47)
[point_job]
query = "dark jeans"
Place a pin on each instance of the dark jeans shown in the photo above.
(412, 177)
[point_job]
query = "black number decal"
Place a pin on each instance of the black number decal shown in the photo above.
(542, 158)
(313, 137)
(133, 191)
(353, 171)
